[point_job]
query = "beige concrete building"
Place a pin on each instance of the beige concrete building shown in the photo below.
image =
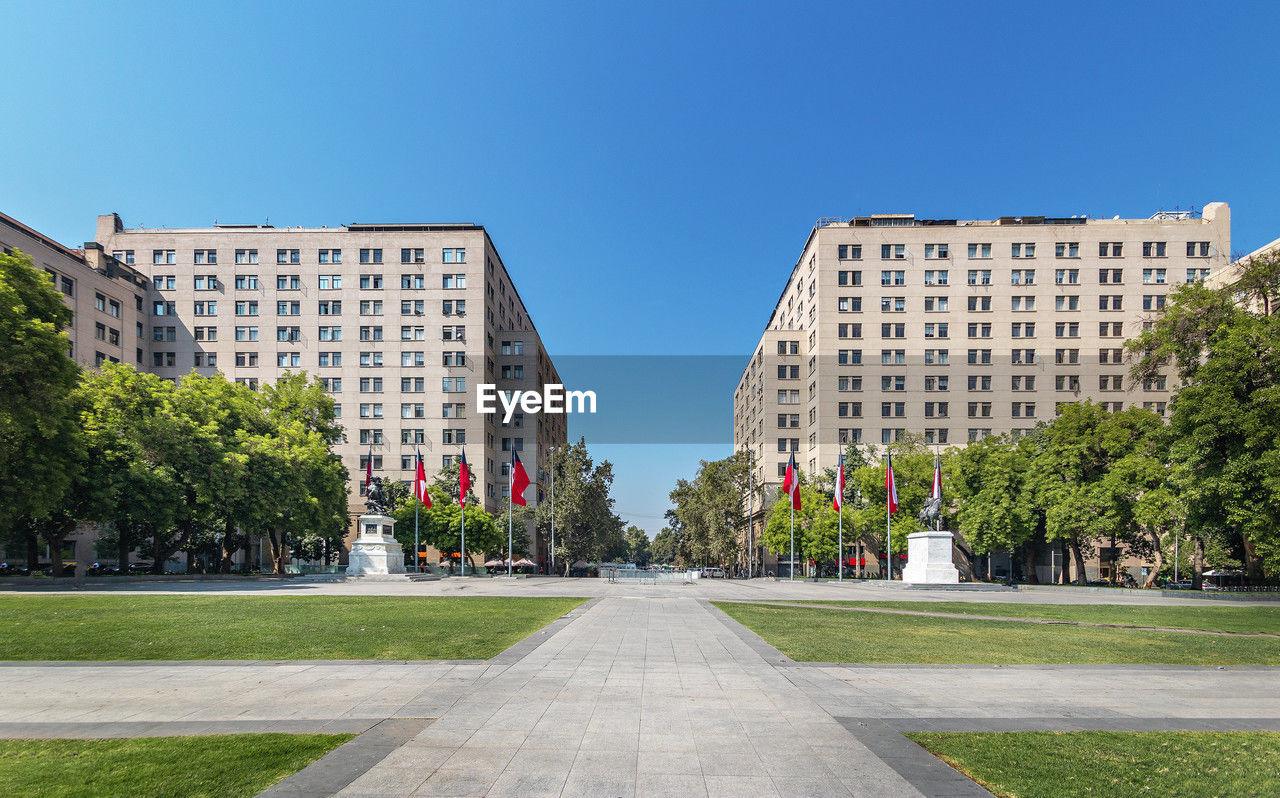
(400, 321)
(956, 330)
(109, 323)
(108, 298)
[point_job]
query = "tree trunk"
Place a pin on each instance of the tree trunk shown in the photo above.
(122, 549)
(1155, 572)
(1252, 562)
(228, 544)
(1197, 564)
(54, 534)
(1077, 553)
(33, 552)
(1028, 564)
(276, 539)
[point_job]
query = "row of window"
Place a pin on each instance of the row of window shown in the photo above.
(324, 307)
(289, 256)
(898, 357)
(1064, 249)
(1061, 329)
(890, 277)
(982, 382)
(293, 282)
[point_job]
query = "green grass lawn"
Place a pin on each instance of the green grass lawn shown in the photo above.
(1105, 764)
(1216, 618)
(824, 635)
(217, 765)
(116, 627)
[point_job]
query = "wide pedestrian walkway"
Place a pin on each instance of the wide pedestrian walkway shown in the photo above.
(636, 697)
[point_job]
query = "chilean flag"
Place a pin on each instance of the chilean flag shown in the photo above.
(464, 480)
(937, 477)
(891, 487)
(837, 501)
(791, 482)
(368, 470)
(519, 479)
(420, 484)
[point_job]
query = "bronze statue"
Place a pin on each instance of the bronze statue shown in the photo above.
(375, 500)
(931, 511)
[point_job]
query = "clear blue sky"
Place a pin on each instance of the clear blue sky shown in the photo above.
(649, 171)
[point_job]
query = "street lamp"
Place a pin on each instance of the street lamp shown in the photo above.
(551, 453)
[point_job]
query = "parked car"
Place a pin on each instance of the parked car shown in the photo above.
(1184, 584)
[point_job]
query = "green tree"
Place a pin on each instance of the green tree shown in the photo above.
(115, 409)
(1225, 417)
(711, 509)
(663, 548)
(40, 452)
(637, 546)
(587, 529)
(994, 510)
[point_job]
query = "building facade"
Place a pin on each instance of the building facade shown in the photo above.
(400, 322)
(956, 330)
(108, 299)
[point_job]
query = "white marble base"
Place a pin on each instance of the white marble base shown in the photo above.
(375, 551)
(929, 559)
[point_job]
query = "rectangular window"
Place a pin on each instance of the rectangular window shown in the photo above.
(454, 281)
(1153, 249)
(1110, 249)
(246, 256)
(1197, 249)
(849, 251)
(288, 282)
(371, 256)
(979, 250)
(848, 278)
(935, 252)
(1067, 249)
(1023, 250)
(371, 282)
(893, 251)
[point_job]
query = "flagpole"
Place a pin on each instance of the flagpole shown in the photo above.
(793, 543)
(415, 524)
(510, 481)
(840, 514)
(888, 530)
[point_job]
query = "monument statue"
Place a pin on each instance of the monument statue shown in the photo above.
(375, 500)
(931, 511)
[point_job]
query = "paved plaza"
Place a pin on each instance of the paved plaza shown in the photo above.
(644, 690)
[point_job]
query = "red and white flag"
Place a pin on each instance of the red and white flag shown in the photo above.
(791, 483)
(837, 501)
(420, 484)
(519, 479)
(936, 493)
(891, 487)
(368, 470)
(464, 480)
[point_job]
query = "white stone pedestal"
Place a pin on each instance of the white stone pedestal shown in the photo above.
(929, 559)
(375, 551)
